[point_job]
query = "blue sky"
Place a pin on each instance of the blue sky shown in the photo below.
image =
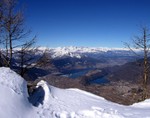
(88, 23)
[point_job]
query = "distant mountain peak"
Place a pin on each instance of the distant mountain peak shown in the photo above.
(79, 52)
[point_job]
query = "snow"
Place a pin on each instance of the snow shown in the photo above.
(79, 52)
(13, 92)
(9, 78)
(60, 103)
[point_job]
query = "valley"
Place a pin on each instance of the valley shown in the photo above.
(113, 74)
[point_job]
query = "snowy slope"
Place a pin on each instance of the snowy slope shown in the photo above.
(60, 103)
(75, 103)
(13, 96)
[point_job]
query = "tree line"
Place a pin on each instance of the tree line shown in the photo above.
(142, 43)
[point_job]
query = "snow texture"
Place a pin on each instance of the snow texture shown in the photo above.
(60, 103)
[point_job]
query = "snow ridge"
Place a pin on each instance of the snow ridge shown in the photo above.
(47, 89)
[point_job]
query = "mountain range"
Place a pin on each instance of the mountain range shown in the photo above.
(80, 52)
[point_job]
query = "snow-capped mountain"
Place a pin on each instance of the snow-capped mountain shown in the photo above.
(60, 103)
(79, 52)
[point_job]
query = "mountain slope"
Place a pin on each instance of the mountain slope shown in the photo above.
(60, 103)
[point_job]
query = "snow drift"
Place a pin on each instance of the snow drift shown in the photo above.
(60, 103)
(14, 97)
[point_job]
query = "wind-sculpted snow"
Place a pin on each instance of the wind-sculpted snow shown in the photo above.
(60, 103)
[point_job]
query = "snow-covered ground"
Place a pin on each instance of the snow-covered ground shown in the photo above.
(60, 103)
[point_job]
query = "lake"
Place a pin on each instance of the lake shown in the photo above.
(99, 80)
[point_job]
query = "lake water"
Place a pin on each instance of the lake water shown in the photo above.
(77, 74)
(99, 80)
(102, 80)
